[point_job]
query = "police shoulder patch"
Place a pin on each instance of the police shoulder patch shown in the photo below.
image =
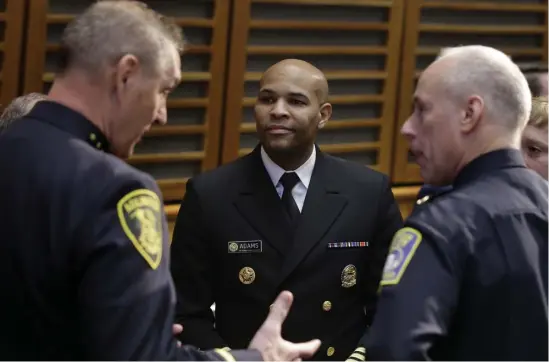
(404, 245)
(140, 215)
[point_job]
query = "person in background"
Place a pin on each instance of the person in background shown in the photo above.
(286, 216)
(85, 242)
(19, 107)
(466, 278)
(534, 137)
(536, 75)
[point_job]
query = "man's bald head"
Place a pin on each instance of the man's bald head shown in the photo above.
(470, 101)
(300, 70)
(491, 75)
(291, 107)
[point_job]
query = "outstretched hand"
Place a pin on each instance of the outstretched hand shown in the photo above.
(268, 339)
(177, 329)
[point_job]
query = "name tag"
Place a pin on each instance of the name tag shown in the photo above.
(247, 246)
(348, 245)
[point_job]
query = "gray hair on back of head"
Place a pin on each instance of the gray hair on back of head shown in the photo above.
(18, 108)
(492, 75)
(110, 29)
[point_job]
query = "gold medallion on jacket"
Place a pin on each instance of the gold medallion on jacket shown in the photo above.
(348, 276)
(246, 275)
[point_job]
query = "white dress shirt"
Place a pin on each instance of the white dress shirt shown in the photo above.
(304, 172)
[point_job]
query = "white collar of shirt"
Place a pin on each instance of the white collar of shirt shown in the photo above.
(304, 171)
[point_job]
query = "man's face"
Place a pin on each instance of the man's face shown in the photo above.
(534, 149)
(141, 101)
(433, 129)
(288, 113)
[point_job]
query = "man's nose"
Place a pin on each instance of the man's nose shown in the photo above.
(279, 109)
(161, 116)
(407, 130)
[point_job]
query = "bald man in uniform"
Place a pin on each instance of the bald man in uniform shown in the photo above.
(285, 217)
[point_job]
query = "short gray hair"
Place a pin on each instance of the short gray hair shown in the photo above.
(492, 75)
(110, 29)
(18, 108)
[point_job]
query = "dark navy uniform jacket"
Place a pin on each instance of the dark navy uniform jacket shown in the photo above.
(233, 246)
(430, 190)
(466, 278)
(84, 249)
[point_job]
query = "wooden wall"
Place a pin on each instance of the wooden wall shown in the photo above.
(371, 51)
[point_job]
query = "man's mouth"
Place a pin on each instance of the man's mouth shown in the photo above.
(279, 130)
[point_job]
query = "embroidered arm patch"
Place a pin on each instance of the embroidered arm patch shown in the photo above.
(140, 216)
(404, 245)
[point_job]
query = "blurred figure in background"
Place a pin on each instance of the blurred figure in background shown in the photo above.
(19, 107)
(534, 137)
(536, 76)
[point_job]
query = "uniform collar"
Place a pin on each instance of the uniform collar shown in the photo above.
(491, 161)
(70, 121)
(275, 172)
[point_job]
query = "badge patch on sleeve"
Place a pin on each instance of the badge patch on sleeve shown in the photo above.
(140, 217)
(404, 245)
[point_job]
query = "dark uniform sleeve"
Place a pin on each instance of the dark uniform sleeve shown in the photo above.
(192, 269)
(419, 293)
(389, 221)
(125, 300)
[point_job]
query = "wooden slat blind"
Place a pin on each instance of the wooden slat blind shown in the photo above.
(189, 144)
(518, 28)
(357, 45)
(11, 30)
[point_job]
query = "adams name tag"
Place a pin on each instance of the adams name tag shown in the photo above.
(246, 246)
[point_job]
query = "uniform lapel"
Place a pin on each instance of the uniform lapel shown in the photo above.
(259, 203)
(323, 204)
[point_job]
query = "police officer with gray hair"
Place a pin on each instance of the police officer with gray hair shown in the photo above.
(466, 277)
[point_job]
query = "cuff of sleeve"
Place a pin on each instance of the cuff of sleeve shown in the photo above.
(239, 355)
(358, 355)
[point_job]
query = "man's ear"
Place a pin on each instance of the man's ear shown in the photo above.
(125, 71)
(325, 114)
(473, 113)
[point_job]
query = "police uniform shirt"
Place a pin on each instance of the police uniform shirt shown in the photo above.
(85, 249)
(466, 278)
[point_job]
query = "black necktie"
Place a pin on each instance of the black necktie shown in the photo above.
(288, 181)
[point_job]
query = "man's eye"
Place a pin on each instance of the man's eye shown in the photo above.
(297, 102)
(534, 150)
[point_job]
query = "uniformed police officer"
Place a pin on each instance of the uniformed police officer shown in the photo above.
(466, 278)
(84, 239)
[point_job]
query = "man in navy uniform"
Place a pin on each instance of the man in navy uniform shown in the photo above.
(85, 246)
(466, 278)
(287, 216)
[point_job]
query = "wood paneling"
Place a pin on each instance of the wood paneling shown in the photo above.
(518, 28)
(189, 144)
(11, 26)
(356, 44)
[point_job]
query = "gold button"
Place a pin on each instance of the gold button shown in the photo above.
(327, 305)
(98, 145)
(93, 137)
(330, 351)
